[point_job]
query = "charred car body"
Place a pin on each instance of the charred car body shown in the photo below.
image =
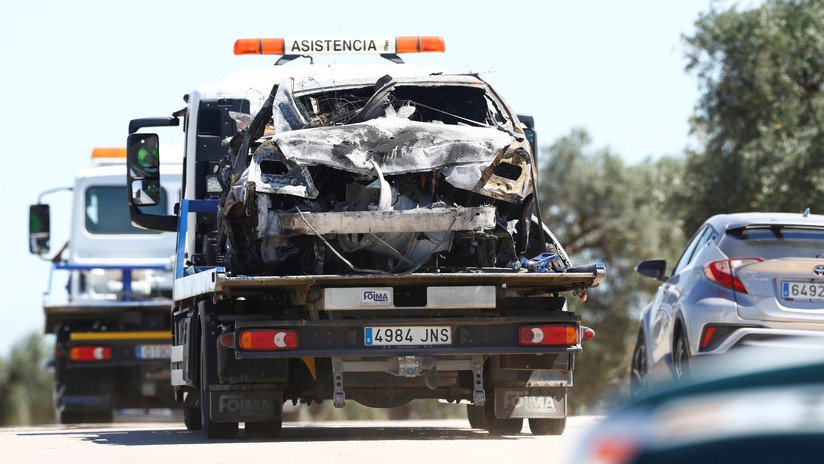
(396, 176)
(369, 234)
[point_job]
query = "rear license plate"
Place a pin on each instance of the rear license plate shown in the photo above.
(802, 291)
(407, 336)
(153, 351)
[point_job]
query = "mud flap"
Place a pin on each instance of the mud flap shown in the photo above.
(85, 390)
(246, 406)
(543, 403)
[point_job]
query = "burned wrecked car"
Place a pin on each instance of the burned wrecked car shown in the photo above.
(390, 175)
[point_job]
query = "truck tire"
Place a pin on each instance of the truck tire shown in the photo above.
(191, 411)
(475, 414)
(208, 367)
(191, 417)
(263, 429)
(497, 426)
(547, 426)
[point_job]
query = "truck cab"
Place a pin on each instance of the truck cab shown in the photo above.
(361, 233)
(110, 318)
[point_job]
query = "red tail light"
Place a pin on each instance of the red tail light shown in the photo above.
(722, 272)
(707, 338)
(227, 340)
(713, 335)
(90, 353)
(589, 334)
(548, 335)
(268, 339)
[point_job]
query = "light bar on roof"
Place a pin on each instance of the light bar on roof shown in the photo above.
(339, 45)
(109, 153)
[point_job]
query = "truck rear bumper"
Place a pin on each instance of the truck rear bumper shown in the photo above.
(471, 336)
(119, 348)
(100, 370)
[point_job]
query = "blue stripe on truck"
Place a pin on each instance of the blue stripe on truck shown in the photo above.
(186, 207)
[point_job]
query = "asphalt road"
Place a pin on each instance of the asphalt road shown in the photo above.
(418, 442)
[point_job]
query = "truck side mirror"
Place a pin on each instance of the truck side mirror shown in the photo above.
(653, 268)
(143, 173)
(39, 229)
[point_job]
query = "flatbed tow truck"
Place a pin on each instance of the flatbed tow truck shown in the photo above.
(111, 323)
(366, 234)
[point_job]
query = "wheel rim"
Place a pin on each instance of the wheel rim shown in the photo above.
(681, 359)
(639, 366)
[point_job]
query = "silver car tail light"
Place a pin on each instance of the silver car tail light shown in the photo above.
(722, 272)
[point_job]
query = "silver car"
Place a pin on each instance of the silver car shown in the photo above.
(743, 278)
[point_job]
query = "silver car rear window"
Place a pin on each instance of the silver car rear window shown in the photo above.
(773, 242)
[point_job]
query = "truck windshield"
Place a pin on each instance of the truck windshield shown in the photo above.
(107, 211)
(773, 242)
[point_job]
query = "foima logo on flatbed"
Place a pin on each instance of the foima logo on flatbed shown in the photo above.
(376, 297)
(237, 404)
(522, 400)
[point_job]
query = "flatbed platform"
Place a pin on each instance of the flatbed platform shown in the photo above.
(217, 281)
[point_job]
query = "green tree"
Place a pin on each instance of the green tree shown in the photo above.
(26, 385)
(602, 209)
(760, 112)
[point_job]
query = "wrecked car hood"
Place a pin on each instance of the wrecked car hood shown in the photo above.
(396, 145)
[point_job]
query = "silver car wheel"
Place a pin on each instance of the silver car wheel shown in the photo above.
(639, 370)
(681, 359)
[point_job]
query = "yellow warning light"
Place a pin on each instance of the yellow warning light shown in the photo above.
(109, 153)
(339, 45)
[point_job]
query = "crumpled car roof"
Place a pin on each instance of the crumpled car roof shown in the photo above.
(258, 82)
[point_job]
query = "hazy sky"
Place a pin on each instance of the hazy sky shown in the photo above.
(74, 73)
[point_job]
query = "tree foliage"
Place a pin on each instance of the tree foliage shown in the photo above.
(26, 385)
(760, 111)
(602, 209)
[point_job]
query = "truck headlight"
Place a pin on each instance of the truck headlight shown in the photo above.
(213, 185)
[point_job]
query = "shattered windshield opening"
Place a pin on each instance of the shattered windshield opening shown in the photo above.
(442, 104)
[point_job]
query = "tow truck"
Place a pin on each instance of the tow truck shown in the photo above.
(361, 233)
(111, 321)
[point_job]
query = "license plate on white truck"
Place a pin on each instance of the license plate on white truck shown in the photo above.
(407, 336)
(153, 351)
